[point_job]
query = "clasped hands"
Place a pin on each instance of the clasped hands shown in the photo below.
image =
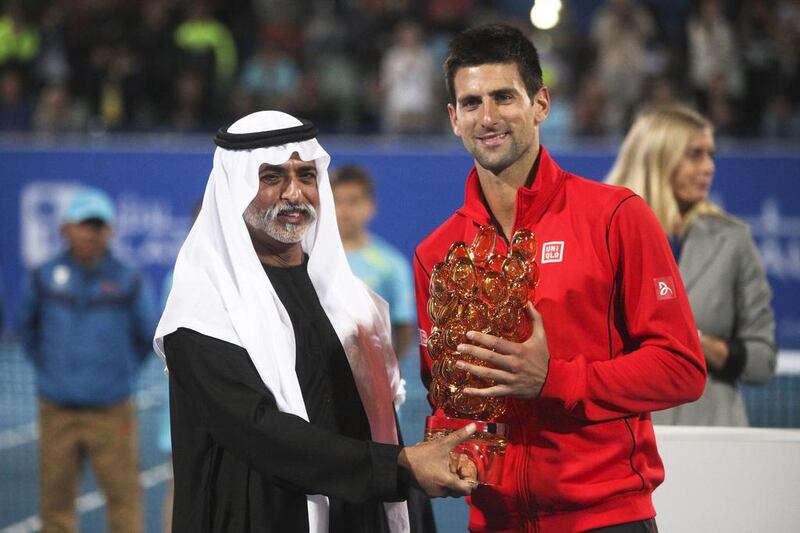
(518, 370)
(437, 469)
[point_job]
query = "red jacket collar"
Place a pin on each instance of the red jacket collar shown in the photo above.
(531, 202)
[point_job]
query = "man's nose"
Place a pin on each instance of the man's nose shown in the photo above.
(489, 113)
(292, 191)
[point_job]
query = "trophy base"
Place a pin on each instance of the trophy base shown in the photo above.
(486, 448)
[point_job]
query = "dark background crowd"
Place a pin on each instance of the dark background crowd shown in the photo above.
(374, 66)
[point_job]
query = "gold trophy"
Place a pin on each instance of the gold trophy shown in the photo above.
(474, 289)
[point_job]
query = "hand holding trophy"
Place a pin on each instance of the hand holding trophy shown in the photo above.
(474, 289)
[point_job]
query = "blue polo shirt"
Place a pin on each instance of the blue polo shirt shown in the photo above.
(384, 269)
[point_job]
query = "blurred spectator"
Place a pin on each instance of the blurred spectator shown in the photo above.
(714, 70)
(86, 321)
(315, 108)
(781, 119)
(341, 84)
(242, 102)
(787, 42)
(271, 76)
(125, 62)
(788, 12)
(760, 61)
(105, 64)
(659, 91)
(720, 105)
(376, 262)
(620, 32)
(282, 22)
(203, 37)
(158, 61)
(448, 16)
(190, 107)
(15, 107)
(57, 113)
(590, 115)
(117, 84)
(19, 40)
(52, 64)
(408, 75)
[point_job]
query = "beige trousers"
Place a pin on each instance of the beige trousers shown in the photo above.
(108, 437)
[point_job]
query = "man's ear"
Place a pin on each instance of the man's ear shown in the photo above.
(451, 110)
(541, 102)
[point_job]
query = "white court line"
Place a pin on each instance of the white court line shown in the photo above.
(29, 432)
(788, 365)
(95, 500)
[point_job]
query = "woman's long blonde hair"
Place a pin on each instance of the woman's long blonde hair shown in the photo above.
(649, 156)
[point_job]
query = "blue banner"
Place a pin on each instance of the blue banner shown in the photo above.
(155, 190)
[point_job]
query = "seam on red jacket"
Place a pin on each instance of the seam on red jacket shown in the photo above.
(419, 262)
(610, 347)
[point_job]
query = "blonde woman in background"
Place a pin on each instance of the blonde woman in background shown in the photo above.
(668, 158)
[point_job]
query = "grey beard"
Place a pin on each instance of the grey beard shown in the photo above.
(288, 233)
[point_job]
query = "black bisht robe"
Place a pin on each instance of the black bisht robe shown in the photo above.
(240, 465)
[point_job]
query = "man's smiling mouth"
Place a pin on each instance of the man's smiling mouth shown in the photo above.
(492, 139)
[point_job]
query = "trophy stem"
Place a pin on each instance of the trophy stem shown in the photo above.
(486, 448)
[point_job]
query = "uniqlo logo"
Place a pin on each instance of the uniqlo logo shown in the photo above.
(665, 288)
(423, 337)
(553, 252)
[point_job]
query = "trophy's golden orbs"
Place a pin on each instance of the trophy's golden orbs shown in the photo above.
(494, 288)
(463, 277)
(483, 245)
(476, 315)
(518, 293)
(524, 242)
(458, 250)
(436, 346)
(477, 289)
(514, 267)
(440, 280)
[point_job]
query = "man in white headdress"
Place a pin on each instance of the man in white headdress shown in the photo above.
(281, 371)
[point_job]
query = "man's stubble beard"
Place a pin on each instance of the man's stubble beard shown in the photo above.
(498, 163)
(266, 220)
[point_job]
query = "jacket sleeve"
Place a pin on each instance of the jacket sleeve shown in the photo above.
(144, 316)
(421, 287)
(241, 415)
(28, 317)
(755, 321)
(661, 364)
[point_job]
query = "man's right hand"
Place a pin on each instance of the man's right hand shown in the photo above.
(430, 464)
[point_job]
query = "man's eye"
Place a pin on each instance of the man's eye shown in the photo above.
(270, 178)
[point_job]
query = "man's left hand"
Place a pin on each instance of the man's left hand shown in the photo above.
(519, 369)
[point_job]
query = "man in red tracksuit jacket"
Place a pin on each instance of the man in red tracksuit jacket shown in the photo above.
(614, 337)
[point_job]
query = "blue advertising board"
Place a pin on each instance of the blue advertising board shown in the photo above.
(417, 187)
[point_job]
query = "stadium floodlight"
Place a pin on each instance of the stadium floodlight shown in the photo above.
(545, 14)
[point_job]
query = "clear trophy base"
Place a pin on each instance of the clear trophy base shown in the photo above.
(486, 448)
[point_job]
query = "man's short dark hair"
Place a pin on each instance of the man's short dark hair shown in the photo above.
(493, 43)
(354, 174)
